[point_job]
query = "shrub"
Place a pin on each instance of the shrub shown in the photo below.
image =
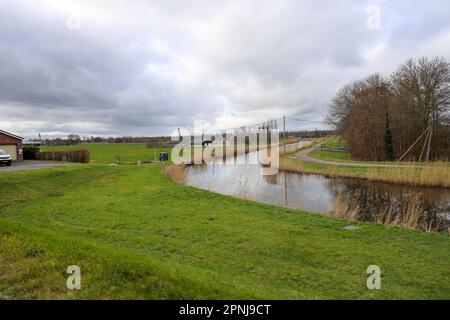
(29, 152)
(81, 156)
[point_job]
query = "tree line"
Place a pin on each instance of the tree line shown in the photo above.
(403, 116)
(74, 139)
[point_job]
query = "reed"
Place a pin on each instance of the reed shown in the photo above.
(410, 214)
(434, 175)
(175, 172)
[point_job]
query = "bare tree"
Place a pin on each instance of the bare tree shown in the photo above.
(373, 112)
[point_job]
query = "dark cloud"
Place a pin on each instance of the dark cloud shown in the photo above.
(147, 67)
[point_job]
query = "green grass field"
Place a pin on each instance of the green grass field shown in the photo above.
(104, 152)
(335, 142)
(332, 156)
(137, 234)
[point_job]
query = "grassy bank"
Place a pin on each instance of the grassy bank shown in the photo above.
(137, 234)
(434, 176)
(332, 156)
(347, 157)
(112, 152)
(335, 142)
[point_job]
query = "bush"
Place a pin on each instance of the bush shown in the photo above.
(29, 152)
(81, 156)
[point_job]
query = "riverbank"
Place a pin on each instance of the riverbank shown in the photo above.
(136, 234)
(434, 175)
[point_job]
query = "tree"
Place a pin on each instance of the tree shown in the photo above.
(423, 88)
(388, 147)
(381, 118)
(73, 139)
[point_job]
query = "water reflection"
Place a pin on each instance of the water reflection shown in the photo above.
(423, 208)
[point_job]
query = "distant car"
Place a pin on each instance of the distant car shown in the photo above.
(5, 158)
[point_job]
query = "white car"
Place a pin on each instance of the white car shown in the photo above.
(5, 158)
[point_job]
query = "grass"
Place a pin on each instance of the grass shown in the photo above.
(335, 142)
(136, 234)
(107, 153)
(331, 156)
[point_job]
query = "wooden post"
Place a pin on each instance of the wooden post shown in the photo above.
(412, 146)
(429, 142)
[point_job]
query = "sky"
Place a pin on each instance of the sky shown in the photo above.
(142, 68)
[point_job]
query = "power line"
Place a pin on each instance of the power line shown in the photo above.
(262, 124)
(311, 121)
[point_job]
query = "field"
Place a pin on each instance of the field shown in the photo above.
(137, 234)
(107, 153)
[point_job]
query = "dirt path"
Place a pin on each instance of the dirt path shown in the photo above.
(304, 156)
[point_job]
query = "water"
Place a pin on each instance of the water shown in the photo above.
(360, 199)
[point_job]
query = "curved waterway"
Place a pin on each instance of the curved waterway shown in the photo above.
(419, 207)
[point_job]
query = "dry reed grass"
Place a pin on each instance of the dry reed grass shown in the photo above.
(175, 172)
(434, 175)
(409, 214)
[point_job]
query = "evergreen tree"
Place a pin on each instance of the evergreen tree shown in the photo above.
(388, 145)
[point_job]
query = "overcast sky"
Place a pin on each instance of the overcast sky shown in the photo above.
(147, 67)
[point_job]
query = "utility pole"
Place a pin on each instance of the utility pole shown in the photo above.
(284, 134)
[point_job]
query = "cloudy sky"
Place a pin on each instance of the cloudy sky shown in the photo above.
(139, 67)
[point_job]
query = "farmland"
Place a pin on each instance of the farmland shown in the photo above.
(107, 153)
(137, 234)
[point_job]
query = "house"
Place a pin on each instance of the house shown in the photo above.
(11, 144)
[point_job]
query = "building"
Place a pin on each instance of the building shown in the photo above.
(11, 144)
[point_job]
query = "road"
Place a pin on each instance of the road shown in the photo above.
(30, 165)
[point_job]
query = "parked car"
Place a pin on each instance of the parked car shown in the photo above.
(5, 158)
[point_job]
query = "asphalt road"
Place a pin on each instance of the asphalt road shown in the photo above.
(30, 165)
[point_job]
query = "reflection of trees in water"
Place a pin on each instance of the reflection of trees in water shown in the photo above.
(271, 179)
(426, 209)
(291, 180)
